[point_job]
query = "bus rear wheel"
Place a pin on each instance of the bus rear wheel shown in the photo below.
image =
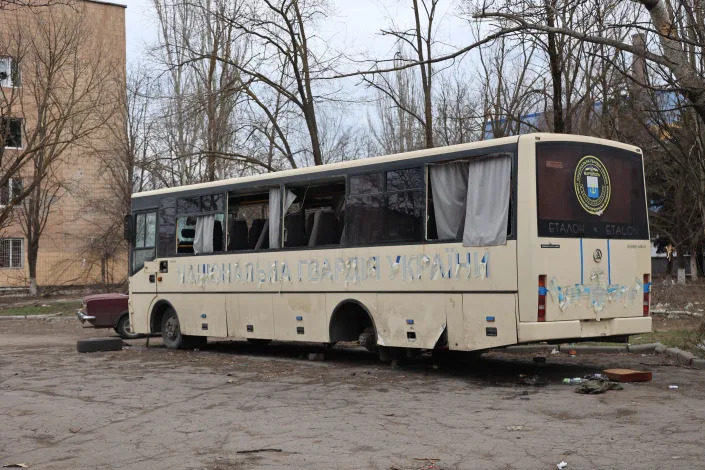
(172, 336)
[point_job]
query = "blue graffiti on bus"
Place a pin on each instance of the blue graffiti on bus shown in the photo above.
(597, 294)
(415, 267)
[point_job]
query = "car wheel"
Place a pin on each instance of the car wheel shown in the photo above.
(124, 330)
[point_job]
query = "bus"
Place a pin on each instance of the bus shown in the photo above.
(531, 238)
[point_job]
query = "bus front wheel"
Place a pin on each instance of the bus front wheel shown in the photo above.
(172, 337)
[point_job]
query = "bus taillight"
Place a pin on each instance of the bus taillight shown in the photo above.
(542, 298)
(647, 291)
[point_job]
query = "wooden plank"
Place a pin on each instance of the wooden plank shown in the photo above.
(628, 375)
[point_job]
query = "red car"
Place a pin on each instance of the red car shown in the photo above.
(107, 311)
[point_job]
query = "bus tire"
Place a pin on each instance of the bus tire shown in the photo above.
(172, 337)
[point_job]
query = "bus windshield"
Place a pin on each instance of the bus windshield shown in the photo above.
(590, 191)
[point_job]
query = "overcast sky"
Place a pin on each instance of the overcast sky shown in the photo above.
(354, 26)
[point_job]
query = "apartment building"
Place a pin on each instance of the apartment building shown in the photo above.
(62, 68)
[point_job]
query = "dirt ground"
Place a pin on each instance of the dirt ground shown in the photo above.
(158, 409)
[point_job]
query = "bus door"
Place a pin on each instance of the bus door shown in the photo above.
(594, 252)
(144, 269)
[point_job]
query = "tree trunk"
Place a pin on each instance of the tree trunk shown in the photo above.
(681, 268)
(672, 46)
(32, 251)
(693, 266)
(555, 66)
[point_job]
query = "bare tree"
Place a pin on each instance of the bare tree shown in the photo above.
(64, 99)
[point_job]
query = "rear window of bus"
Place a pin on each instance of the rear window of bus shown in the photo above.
(590, 191)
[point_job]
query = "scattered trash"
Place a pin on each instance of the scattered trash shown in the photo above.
(573, 381)
(594, 387)
(533, 380)
(562, 465)
(16, 465)
(573, 352)
(196, 350)
(231, 381)
(74, 430)
(593, 377)
(515, 428)
(555, 351)
(255, 451)
(673, 387)
(540, 359)
(315, 357)
(628, 375)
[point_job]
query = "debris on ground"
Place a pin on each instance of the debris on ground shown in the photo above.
(535, 380)
(515, 428)
(573, 381)
(628, 375)
(255, 451)
(593, 377)
(562, 465)
(594, 387)
(315, 357)
(673, 387)
(16, 465)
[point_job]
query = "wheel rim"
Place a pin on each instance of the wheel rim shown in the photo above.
(171, 327)
(128, 327)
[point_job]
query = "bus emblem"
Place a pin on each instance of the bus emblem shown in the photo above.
(592, 185)
(597, 255)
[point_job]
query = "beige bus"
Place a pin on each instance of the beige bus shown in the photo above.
(540, 237)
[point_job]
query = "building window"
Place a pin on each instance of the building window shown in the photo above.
(9, 73)
(11, 252)
(11, 191)
(11, 133)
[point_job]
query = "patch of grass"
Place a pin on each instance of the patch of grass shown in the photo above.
(670, 338)
(57, 308)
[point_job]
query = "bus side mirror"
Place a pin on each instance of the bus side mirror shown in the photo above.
(129, 228)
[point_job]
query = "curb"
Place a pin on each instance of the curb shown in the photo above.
(26, 317)
(530, 348)
(592, 349)
(681, 357)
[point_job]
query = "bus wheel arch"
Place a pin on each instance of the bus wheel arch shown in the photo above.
(155, 320)
(352, 321)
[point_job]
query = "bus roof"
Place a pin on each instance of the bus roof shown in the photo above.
(333, 166)
(372, 161)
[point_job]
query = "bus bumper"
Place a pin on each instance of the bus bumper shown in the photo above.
(530, 332)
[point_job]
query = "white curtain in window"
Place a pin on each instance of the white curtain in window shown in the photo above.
(275, 214)
(487, 208)
(449, 184)
(203, 239)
